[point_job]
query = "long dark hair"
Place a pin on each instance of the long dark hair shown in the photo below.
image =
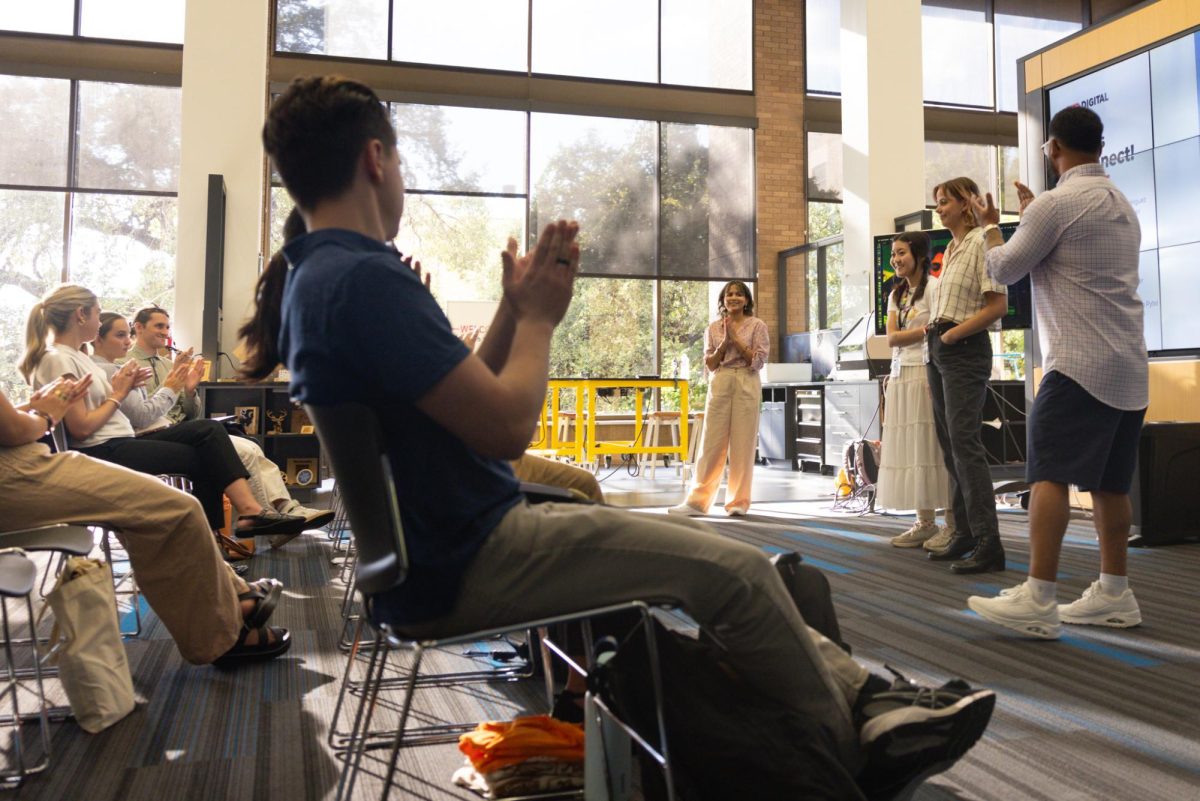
(747, 310)
(918, 245)
(261, 331)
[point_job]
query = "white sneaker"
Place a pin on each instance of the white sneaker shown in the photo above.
(1017, 610)
(687, 510)
(920, 531)
(940, 540)
(736, 511)
(1097, 609)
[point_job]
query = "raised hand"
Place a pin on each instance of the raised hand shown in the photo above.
(178, 376)
(538, 286)
(54, 398)
(195, 374)
(1024, 195)
(415, 266)
(141, 375)
(985, 213)
(123, 381)
(183, 356)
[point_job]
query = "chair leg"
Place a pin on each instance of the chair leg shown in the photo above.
(398, 743)
(15, 777)
(362, 720)
(334, 734)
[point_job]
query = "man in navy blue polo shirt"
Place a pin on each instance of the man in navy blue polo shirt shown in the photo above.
(356, 323)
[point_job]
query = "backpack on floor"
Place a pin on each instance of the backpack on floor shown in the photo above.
(861, 461)
(726, 740)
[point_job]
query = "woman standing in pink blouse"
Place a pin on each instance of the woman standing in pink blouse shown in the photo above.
(735, 349)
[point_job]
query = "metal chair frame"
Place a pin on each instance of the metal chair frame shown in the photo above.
(14, 681)
(362, 738)
(351, 436)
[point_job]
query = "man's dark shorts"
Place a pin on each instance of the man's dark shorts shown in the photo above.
(1073, 438)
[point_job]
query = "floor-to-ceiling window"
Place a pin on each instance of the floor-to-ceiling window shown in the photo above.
(88, 173)
(666, 206)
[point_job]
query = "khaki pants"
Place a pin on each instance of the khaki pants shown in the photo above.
(552, 558)
(170, 545)
(539, 470)
(265, 480)
(730, 428)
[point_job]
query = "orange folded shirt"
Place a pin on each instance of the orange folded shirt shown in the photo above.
(499, 744)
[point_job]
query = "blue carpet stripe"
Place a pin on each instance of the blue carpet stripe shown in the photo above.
(819, 541)
(1112, 652)
(1121, 655)
(829, 567)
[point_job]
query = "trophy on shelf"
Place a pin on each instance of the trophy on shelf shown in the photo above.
(277, 418)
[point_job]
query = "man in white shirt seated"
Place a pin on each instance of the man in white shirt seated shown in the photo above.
(151, 330)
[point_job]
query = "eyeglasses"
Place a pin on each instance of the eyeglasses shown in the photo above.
(1046, 147)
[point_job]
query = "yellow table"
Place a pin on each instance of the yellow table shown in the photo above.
(588, 447)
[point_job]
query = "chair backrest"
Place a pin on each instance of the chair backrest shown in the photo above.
(352, 439)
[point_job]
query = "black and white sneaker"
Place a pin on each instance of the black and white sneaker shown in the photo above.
(910, 733)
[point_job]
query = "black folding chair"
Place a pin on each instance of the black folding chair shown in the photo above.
(351, 437)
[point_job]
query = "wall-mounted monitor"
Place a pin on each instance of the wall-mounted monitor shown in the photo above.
(1150, 105)
(1020, 302)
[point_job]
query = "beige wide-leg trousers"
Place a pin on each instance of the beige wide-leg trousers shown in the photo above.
(266, 482)
(165, 532)
(730, 429)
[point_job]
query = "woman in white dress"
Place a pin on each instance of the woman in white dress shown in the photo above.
(912, 473)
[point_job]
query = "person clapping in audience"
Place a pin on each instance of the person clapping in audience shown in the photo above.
(99, 427)
(213, 616)
(182, 375)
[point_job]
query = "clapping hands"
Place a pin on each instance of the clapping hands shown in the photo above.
(538, 285)
(54, 398)
(129, 378)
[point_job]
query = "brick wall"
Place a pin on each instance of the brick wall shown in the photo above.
(779, 148)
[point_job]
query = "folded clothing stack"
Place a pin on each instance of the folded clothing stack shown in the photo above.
(534, 754)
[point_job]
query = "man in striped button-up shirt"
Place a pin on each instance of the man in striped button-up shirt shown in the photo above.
(1079, 242)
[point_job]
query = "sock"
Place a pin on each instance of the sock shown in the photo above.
(1113, 585)
(1042, 591)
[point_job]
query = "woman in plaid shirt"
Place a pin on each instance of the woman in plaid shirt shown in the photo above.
(966, 304)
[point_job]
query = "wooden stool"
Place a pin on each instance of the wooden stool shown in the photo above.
(654, 422)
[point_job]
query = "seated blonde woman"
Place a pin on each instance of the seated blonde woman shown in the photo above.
(100, 427)
(213, 616)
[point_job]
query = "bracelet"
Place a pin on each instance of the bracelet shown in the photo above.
(115, 402)
(49, 420)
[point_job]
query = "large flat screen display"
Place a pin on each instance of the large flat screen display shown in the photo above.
(1020, 305)
(1150, 106)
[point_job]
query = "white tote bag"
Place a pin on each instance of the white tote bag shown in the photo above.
(90, 656)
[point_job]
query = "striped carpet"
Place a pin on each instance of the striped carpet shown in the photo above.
(1100, 714)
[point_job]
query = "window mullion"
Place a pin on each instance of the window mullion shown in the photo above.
(72, 171)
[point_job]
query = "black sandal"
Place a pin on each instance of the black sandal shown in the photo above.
(265, 593)
(266, 648)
